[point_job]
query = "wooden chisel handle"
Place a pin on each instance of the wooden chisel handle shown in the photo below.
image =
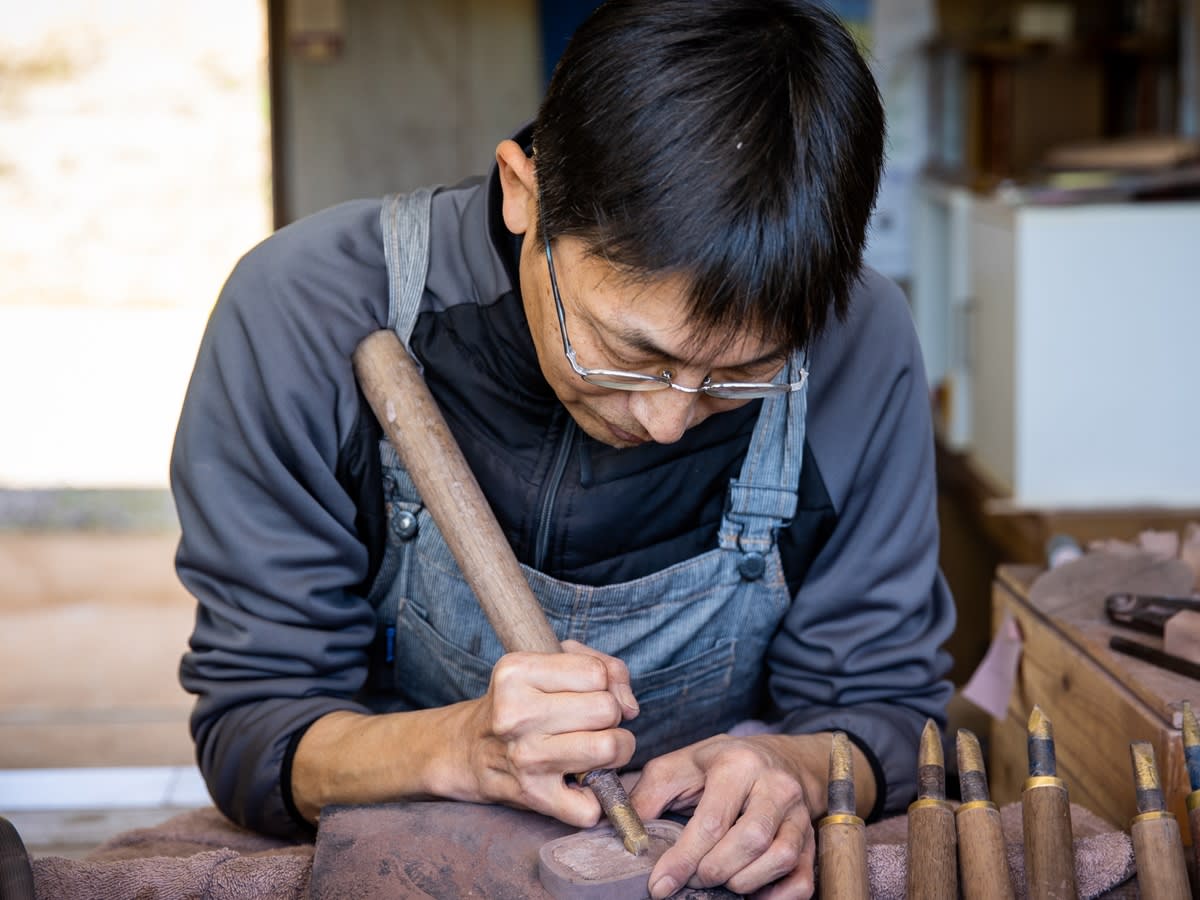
(410, 416)
(402, 403)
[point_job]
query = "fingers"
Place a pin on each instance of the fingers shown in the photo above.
(617, 673)
(547, 793)
(552, 693)
(573, 752)
(786, 867)
(751, 826)
(759, 848)
(673, 781)
(529, 773)
(764, 843)
(554, 713)
(554, 671)
(799, 885)
(682, 863)
(548, 715)
(519, 711)
(552, 796)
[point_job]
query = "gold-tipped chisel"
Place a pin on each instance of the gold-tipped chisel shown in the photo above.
(841, 835)
(982, 850)
(1157, 846)
(410, 418)
(932, 858)
(1191, 756)
(1046, 819)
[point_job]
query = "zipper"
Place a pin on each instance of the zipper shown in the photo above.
(542, 543)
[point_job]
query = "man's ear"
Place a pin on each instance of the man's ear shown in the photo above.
(518, 183)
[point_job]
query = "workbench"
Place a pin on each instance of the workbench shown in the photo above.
(1098, 700)
(981, 530)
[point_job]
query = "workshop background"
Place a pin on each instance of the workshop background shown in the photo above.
(1039, 207)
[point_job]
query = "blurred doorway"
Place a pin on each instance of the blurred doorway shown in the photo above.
(134, 170)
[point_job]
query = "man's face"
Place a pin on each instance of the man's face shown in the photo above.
(621, 323)
(635, 325)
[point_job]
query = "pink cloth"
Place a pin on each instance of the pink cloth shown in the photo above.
(198, 854)
(1104, 862)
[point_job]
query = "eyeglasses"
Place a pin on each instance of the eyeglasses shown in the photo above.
(636, 381)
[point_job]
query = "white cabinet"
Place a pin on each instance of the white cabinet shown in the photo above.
(941, 292)
(1083, 356)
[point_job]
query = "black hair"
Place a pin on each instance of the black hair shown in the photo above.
(735, 142)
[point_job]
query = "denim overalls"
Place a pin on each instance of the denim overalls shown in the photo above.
(694, 636)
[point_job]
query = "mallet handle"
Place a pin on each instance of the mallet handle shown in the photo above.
(410, 416)
(402, 403)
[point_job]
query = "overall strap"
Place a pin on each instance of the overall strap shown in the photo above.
(763, 496)
(405, 222)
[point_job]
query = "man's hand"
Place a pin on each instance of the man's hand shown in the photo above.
(546, 715)
(753, 802)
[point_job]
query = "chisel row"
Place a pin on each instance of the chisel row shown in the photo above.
(955, 851)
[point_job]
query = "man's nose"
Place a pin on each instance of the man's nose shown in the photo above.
(665, 415)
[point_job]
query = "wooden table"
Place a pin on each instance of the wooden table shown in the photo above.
(1098, 701)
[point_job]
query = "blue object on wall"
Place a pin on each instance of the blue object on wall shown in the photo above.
(559, 19)
(853, 10)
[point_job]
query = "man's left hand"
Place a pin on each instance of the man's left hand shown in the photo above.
(752, 800)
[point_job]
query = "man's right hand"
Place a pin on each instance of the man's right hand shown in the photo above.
(543, 716)
(546, 715)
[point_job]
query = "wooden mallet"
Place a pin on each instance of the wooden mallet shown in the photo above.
(410, 417)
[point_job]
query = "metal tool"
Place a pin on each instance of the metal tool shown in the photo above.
(932, 857)
(1153, 655)
(1046, 819)
(1146, 612)
(841, 840)
(410, 417)
(1157, 846)
(982, 851)
(1191, 756)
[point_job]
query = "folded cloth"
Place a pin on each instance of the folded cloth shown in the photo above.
(1189, 551)
(1162, 545)
(191, 832)
(1104, 863)
(197, 854)
(446, 850)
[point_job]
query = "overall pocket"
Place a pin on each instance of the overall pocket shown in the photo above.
(430, 670)
(687, 702)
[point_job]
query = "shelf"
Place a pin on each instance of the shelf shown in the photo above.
(1000, 50)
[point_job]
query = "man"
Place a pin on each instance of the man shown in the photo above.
(701, 424)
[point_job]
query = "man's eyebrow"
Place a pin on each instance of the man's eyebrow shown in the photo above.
(642, 343)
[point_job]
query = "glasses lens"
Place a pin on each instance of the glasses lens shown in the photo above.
(619, 381)
(733, 391)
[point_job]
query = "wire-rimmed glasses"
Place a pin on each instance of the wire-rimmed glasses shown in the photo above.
(618, 380)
